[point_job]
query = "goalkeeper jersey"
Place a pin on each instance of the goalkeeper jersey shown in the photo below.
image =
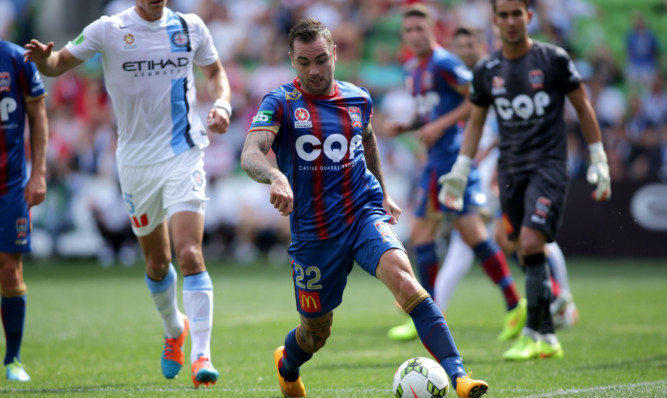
(148, 68)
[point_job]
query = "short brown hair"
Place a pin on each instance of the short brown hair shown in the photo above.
(469, 30)
(419, 10)
(525, 2)
(308, 30)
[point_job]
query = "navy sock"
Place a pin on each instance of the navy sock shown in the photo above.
(436, 337)
(13, 319)
(293, 357)
(427, 265)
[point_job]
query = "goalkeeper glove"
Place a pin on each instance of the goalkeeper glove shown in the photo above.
(598, 172)
(454, 183)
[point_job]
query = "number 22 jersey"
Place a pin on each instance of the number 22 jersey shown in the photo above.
(318, 146)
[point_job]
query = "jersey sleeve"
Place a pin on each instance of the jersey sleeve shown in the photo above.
(89, 41)
(478, 93)
(32, 87)
(568, 75)
(205, 53)
(368, 112)
(454, 72)
(269, 116)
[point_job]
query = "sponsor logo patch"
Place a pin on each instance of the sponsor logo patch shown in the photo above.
(129, 42)
(302, 117)
(309, 301)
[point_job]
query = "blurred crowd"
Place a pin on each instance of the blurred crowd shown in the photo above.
(84, 214)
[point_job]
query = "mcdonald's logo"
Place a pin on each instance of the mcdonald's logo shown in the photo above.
(309, 301)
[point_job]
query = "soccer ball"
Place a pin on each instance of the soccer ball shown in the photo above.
(420, 378)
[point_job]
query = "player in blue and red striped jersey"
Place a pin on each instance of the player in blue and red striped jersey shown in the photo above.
(329, 181)
(21, 93)
(439, 82)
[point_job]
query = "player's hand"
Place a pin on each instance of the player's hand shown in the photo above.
(392, 209)
(35, 190)
(393, 129)
(429, 134)
(454, 183)
(218, 120)
(282, 197)
(37, 51)
(598, 172)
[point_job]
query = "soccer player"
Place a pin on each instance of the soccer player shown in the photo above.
(527, 81)
(329, 181)
(21, 92)
(439, 82)
(469, 45)
(148, 52)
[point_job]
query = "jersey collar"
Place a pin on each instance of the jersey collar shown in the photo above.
(298, 87)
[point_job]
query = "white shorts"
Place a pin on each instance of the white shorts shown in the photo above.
(157, 191)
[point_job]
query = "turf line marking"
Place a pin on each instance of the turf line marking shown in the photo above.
(576, 391)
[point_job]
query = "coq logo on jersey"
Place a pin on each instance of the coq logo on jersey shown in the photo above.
(355, 115)
(522, 105)
(302, 117)
(335, 147)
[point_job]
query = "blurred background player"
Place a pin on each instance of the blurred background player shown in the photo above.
(148, 52)
(439, 82)
(329, 181)
(21, 93)
(469, 45)
(527, 82)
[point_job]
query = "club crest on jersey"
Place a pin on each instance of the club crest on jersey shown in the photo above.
(198, 180)
(536, 78)
(5, 81)
(179, 39)
(498, 85)
(427, 80)
(355, 115)
(302, 117)
(22, 226)
(129, 45)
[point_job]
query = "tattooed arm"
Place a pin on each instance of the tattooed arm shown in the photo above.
(373, 165)
(258, 167)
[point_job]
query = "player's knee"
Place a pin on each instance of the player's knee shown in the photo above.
(190, 257)
(157, 266)
(531, 243)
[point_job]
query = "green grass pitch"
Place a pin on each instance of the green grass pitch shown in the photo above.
(93, 331)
